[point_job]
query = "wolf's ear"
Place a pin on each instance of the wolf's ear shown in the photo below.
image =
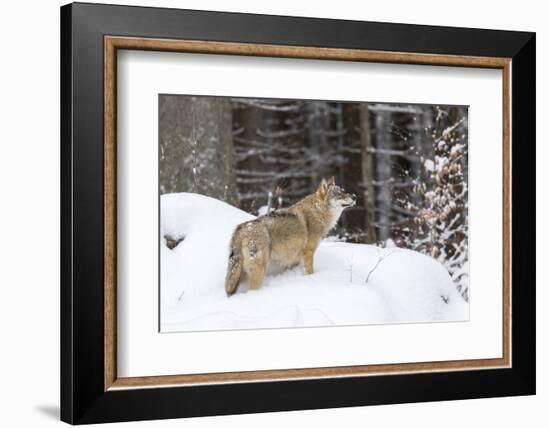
(331, 181)
(322, 189)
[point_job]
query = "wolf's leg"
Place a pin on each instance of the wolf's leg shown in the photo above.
(257, 272)
(257, 254)
(308, 260)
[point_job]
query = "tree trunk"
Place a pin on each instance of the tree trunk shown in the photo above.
(383, 173)
(368, 174)
(196, 146)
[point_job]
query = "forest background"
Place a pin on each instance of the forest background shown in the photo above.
(408, 165)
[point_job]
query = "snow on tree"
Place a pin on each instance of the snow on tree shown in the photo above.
(437, 204)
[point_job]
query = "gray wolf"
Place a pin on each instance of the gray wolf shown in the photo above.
(286, 236)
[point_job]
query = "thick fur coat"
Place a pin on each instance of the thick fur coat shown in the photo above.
(285, 237)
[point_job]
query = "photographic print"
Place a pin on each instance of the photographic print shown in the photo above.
(278, 213)
(302, 202)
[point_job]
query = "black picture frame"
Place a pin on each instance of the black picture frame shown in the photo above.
(83, 396)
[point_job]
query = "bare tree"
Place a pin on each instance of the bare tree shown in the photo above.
(368, 173)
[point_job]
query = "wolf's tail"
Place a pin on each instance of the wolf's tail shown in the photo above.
(235, 264)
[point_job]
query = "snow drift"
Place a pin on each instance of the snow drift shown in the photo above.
(352, 283)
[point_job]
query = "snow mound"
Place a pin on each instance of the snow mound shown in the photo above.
(352, 283)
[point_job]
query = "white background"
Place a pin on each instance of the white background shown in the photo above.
(144, 352)
(29, 220)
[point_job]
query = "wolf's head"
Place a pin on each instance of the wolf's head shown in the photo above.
(335, 196)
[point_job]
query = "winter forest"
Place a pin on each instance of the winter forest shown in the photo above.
(407, 164)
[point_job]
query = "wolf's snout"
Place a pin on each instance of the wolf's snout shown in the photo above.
(352, 200)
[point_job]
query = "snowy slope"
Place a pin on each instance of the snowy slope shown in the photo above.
(352, 283)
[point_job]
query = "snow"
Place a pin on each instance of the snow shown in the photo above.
(352, 283)
(457, 148)
(429, 165)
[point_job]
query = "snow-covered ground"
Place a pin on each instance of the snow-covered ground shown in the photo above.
(352, 283)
